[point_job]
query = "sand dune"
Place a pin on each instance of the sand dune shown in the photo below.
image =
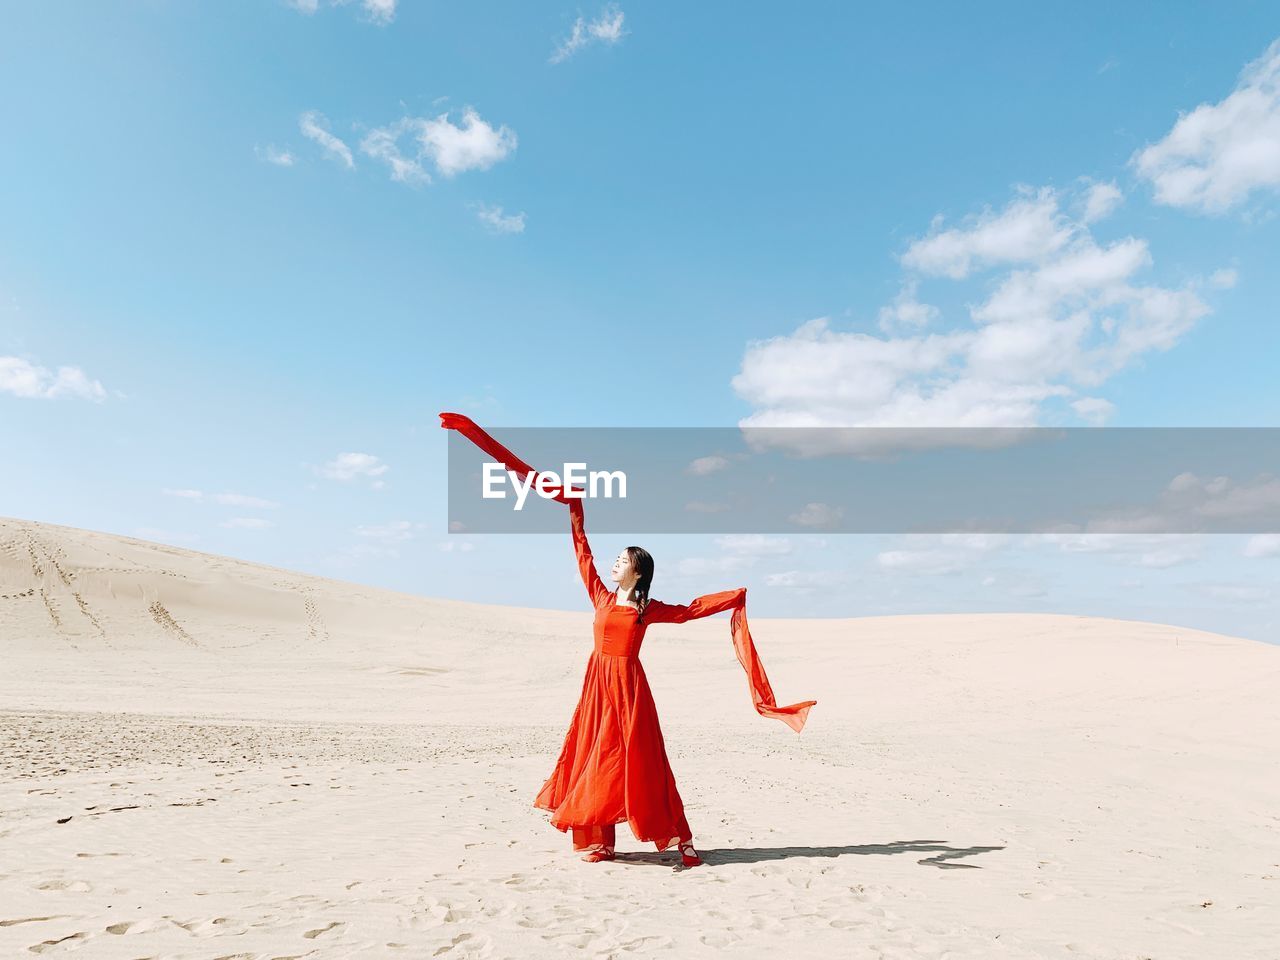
(204, 757)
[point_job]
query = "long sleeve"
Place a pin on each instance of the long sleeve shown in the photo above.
(658, 612)
(596, 589)
(793, 715)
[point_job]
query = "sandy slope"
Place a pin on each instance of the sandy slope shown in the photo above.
(257, 763)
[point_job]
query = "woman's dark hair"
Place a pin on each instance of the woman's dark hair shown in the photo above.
(642, 563)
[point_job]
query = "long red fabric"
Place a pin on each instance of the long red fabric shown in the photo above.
(762, 698)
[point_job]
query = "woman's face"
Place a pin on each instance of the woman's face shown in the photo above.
(623, 572)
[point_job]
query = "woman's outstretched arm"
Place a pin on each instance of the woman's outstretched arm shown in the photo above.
(596, 589)
(658, 612)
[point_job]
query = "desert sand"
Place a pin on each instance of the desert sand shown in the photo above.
(204, 757)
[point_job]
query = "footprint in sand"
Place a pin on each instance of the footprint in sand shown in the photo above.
(642, 943)
(720, 939)
(321, 931)
(466, 944)
(201, 928)
(166, 621)
(134, 926)
(49, 945)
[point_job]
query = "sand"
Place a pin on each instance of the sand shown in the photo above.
(204, 757)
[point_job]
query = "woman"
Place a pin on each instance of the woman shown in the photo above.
(613, 765)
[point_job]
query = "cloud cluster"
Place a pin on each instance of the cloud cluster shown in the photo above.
(605, 28)
(275, 156)
(411, 144)
(22, 378)
(1057, 316)
(500, 222)
(314, 127)
(380, 12)
(1220, 153)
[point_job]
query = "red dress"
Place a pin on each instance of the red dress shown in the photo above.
(613, 766)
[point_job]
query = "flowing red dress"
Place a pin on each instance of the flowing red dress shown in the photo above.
(613, 766)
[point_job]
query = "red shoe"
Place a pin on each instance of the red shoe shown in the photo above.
(689, 856)
(599, 854)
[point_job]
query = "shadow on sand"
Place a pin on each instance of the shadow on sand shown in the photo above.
(942, 855)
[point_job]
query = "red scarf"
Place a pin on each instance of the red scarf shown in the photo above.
(793, 715)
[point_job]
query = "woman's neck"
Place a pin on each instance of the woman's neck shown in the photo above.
(626, 595)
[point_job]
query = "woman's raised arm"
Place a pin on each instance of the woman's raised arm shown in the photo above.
(596, 589)
(658, 612)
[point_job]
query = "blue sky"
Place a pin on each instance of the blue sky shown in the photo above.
(249, 251)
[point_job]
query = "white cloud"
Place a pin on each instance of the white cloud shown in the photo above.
(817, 515)
(740, 552)
(475, 145)
(906, 312)
(349, 466)
(978, 542)
(312, 124)
(1028, 230)
(1094, 409)
(1222, 498)
(702, 466)
(1218, 154)
(1187, 503)
(1151, 550)
(380, 12)
(933, 554)
(1263, 545)
(1225, 278)
(280, 158)
(495, 219)
(451, 148)
(461, 546)
(22, 378)
(1100, 202)
(382, 143)
(806, 581)
(1065, 314)
(605, 28)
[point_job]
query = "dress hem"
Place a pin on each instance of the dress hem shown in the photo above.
(670, 841)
